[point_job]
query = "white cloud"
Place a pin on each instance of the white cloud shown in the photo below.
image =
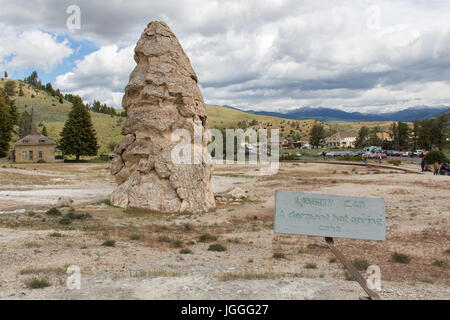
(30, 48)
(267, 54)
(101, 75)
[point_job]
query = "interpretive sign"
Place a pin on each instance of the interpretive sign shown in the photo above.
(329, 215)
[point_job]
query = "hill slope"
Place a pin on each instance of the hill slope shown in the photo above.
(53, 114)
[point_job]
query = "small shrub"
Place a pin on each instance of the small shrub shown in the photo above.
(186, 251)
(332, 260)
(217, 247)
(310, 266)
(361, 264)
(56, 235)
(279, 255)
(53, 212)
(77, 216)
(163, 239)
(109, 243)
(395, 162)
(41, 161)
(136, 236)
(441, 264)
(435, 155)
(176, 243)
(32, 244)
(65, 221)
(37, 283)
(348, 276)
(206, 237)
(401, 258)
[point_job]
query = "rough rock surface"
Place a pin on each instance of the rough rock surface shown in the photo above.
(161, 97)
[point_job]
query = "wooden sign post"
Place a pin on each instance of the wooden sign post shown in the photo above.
(332, 216)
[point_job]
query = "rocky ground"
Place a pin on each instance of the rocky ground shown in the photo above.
(139, 254)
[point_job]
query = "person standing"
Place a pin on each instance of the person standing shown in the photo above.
(436, 168)
(379, 158)
(422, 164)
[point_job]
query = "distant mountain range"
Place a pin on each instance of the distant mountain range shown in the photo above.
(334, 115)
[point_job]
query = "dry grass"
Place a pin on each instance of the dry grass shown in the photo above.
(43, 270)
(230, 276)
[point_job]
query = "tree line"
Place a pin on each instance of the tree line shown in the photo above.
(426, 134)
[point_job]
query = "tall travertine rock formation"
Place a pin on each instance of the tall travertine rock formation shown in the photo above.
(161, 97)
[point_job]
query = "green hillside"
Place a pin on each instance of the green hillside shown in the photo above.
(53, 114)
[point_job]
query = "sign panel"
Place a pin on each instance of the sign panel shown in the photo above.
(329, 215)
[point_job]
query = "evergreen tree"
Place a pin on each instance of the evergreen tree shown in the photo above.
(439, 131)
(78, 136)
(6, 128)
(44, 131)
(403, 135)
(11, 104)
(363, 134)
(32, 79)
(25, 124)
(317, 135)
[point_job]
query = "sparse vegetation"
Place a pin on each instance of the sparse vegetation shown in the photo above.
(250, 276)
(441, 264)
(206, 237)
(186, 251)
(395, 162)
(53, 212)
(32, 244)
(65, 221)
(279, 255)
(217, 247)
(56, 235)
(136, 236)
(37, 283)
(401, 258)
(310, 265)
(361, 264)
(109, 243)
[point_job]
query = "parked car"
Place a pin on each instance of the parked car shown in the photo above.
(398, 153)
(407, 154)
(419, 153)
(297, 154)
(390, 153)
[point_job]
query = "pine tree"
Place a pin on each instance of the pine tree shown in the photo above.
(78, 136)
(44, 131)
(25, 124)
(6, 128)
(317, 135)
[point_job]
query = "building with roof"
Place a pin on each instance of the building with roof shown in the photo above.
(383, 136)
(33, 148)
(341, 140)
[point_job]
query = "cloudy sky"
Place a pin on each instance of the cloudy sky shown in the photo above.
(267, 55)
